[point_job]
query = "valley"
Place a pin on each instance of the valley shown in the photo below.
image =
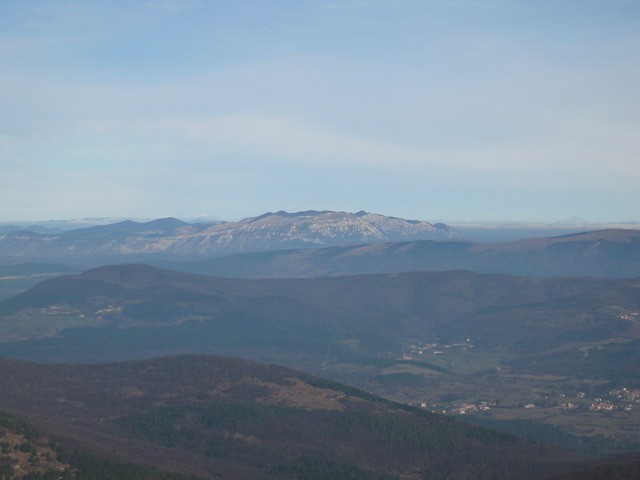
(460, 343)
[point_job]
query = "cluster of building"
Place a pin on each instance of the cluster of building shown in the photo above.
(109, 309)
(602, 407)
(460, 408)
(621, 399)
(67, 310)
(609, 407)
(417, 350)
(625, 394)
(56, 310)
(599, 404)
(471, 408)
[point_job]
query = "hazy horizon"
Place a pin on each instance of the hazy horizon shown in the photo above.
(570, 222)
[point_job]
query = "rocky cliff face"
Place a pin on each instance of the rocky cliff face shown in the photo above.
(271, 231)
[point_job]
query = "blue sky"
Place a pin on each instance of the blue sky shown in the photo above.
(449, 110)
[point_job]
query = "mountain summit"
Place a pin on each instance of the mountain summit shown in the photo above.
(270, 231)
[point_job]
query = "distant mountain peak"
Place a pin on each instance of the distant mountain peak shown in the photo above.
(572, 221)
(168, 222)
(304, 213)
(269, 231)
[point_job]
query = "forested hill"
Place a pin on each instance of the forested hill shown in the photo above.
(381, 312)
(223, 417)
(604, 253)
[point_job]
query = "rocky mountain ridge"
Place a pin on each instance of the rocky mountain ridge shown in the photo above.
(270, 231)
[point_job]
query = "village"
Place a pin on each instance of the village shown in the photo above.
(620, 399)
(57, 309)
(417, 351)
(66, 310)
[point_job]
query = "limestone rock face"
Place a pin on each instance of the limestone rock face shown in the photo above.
(270, 231)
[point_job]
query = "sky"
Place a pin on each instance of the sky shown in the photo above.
(453, 110)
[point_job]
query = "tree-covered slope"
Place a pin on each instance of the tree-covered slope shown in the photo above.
(213, 417)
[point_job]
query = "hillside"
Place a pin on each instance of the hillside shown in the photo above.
(625, 467)
(604, 253)
(379, 310)
(356, 316)
(27, 454)
(459, 342)
(220, 417)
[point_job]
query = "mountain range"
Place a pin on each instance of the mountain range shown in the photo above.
(169, 236)
(611, 253)
(313, 244)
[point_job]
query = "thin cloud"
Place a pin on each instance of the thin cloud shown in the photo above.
(235, 92)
